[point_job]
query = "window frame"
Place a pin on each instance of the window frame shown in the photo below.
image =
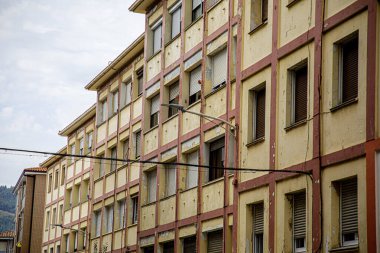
(193, 98)
(156, 29)
(292, 77)
(151, 198)
(134, 209)
(173, 111)
(294, 240)
(255, 94)
(343, 242)
(172, 12)
(194, 10)
(154, 116)
(214, 84)
(214, 175)
(261, 20)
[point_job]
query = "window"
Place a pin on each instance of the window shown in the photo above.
(349, 212)
(113, 157)
(216, 159)
(219, 68)
(137, 144)
(192, 171)
(299, 222)
(63, 174)
(140, 81)
(175, 13)
(194, 86)
(72, 151)
(121, 205)
(126, 150)
(152, 185)
(190, 244)
(197, 9)
(298, 77)
(75, 241)
(58, 249)
(89, 142)
(115, 103)
(81, 147)
(173, 98)
(348, 69)
(258, 227)
(51, 250)
(154, 110)
(215, 241)
(84, 190)
(108, 219)
(258, 116)
(47, 221)
(102, 111)
(101, 165)
(54, 218)
(126, 93)
(56, 178)
(84, 237)
(97, 223)
(135, 204)
(259, 13)
(149, 249)
(157, 34)
(170, 180)
(50, 181)
(60, 217)
(168, 247)
(67, 242)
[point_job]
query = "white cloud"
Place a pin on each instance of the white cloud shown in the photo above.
(50, 51)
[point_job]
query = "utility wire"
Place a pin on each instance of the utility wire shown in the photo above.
(155, 162)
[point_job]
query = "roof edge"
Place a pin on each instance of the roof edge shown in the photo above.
(79, 120)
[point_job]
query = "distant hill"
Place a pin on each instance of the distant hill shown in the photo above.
(7, 208)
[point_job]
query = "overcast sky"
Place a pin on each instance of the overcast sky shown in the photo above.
(49, 51)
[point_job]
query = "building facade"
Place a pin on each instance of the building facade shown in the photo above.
(30, 192)
(54, 201)
(273, 145)
(7, 241)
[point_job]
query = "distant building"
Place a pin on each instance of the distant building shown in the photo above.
(6, 241)
(30, 192)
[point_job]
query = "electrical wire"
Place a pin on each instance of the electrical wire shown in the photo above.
(155, 162)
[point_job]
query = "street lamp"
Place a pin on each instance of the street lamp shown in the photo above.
(182, 109)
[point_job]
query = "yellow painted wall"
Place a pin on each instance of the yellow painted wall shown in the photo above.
(245, 227)
(261, 36)
(331, 201)
(333, 7)
(153, 67)
(78, 166)
(167, 210)
(213, 196)
(98, 189)
(75, 214)
(112, 125)
(191, 121)
(151, 141)
(147, 219)
(110, 182)
(118, 240)
(101, 133)
(137, 108)
(155, 16)
(125, 116)
(301, 136)
(132, 235)
(84, 210)
(194, 35)
(218, 98)
(121, 177)
(188, 203)
(134, 172)
(217, 16)
(344, 127)
(294, 20)
(172, 51)
(170, 130)
(256, 156)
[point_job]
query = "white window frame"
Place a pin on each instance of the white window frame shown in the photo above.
(173, 11)
(155, 28)
(343, 242)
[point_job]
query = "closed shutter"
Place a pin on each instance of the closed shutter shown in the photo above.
(174, 91)
(299, 215)
(215, 242)
(152, 176)
(350, 70)
(176, 22)
(349, 206)
(138, 144)
(260, 114)
(170, 180)
(157, 38)
(219, 68)
(258, 218)
(154, 104)
(264, 8)
(195, 76)
(192, 171)
(300, 94)
(190, 244)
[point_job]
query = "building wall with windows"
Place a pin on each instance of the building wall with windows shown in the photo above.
(77, 190)
(54, 201)
(30, 192)
(115, 198)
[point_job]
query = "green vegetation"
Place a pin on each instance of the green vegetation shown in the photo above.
(7, 208)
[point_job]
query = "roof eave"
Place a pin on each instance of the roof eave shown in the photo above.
(88, 114)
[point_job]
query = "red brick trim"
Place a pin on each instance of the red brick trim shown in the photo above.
(343, 155)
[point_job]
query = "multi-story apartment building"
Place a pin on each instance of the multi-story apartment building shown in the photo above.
(30, 192)
(273, 145)
(54, 201)
(7, 241)
(77, 182)
(115, 185)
